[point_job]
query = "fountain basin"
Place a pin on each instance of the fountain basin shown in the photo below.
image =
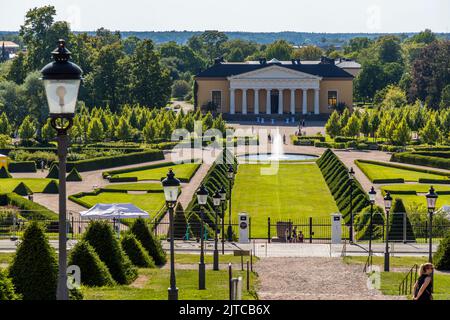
(276, 157)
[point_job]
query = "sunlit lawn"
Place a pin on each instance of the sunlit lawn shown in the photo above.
(294, 191)
(419, 187)
(223, 259)
(395, 262)
(375, 171)
(35, 184)
(135, 187)
(184, 171)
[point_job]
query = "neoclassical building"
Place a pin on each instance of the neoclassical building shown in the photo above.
(276, 87)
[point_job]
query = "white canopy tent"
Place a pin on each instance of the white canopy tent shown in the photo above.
(114, 211)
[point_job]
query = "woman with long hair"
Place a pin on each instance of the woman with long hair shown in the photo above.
(423, 287)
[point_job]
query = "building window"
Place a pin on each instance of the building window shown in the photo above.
(332, 98)
(217, 98)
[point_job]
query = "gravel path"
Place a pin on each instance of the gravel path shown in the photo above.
(313, 279)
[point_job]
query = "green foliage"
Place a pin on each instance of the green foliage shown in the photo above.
(430, 134)
(179, 223)
(53, 172)
(94, 272)
(52, 187)
(27, 129)
(31, 210)
(353, 127)
(136, 252)
(442, 256)
(280, 50)
(22, 189)
(153, 246)
(34, 269)
(23, 166)
(6, 287)
(95, 130)
(101, 237)
(4, 173)
(333, 127)
(74, 175)
(396, 224)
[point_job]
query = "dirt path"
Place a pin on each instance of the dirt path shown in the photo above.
(313, 279)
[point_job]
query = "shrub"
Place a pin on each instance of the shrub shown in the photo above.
(31, 210)
(320, 138)
(344, 139)
(23, 166)
(123, 179)
(101, 237)
(179, 223)
(4, 173)
(421, 159)
(153, 246)
(34, 269)
(6, 287)
(22, 189)
(434, 181)
(52, 187)
(53, 172)
(442, 255)
(94, 272)
(136, 252)
(74, 176)
(397, 220)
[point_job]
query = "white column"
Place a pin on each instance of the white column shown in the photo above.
(244, 101)
(256, 101)
(305, 101)
(316, 101)
(292, 101)
(268, 102)
(280, 101)
(232, 106)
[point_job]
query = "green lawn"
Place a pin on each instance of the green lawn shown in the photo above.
(391, 280)
(154, 284)
(395, 262)
(420, 187)
(195, 258)
(136, 187)
(183, 171)
(421, 190)
(150, 202)
(6, 257)
(409, 199)
(376, 172)
(36, 185)
(296, 191)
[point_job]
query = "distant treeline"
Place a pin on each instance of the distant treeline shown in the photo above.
(297, 38)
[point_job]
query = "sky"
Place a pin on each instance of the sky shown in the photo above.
(333, 16)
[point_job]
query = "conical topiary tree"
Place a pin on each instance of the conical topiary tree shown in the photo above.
(4, 173)
(74, 175)
(101, 237)
(397, 220)
(153, 246)
(34, 269)
(6, 287)
(52, 187)
(53, 173)
(442, 255)
(22, 189)
(136, 252)
(180, 223)
(94, 272)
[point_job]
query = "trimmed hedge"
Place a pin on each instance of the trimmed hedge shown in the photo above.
(136, 252)
(94, 272)
(442, 256)
(383, 181)
(434, 181)
(397, 221)
(115, 161)
(22, 189)
(101, 237)
(31, 210)
(23, 166)
(316, 137)
(4, 173)
(335, 174)
(52, 187)
(333, 145)
(421, 159)
(179, 223)
(123, 179)
(153, 246)
(74, 176)
(34, 269)
(53, 172)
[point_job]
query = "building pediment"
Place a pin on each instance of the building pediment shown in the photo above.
(273, 73)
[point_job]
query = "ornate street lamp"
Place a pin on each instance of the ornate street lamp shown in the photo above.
(223, 196)
(62, 80)
(230, 175)
(217, 198)
(202, 198)
(171, 187)
(387, 207)
(351, 174)
(432, 197)
(372, 196)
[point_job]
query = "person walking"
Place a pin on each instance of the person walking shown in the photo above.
(423, 287)
(284, 138)
(269, 137)
(294, 235)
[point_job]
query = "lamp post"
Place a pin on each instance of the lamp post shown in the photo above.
(217, 198)
(387, 207)
(230, 175)
(351, 174)
(202, 198)
(431, 205)
(372, 195)
(223, 196)
(171, 186)
(62, 80)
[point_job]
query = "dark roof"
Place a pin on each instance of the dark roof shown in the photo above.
(222, 70)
